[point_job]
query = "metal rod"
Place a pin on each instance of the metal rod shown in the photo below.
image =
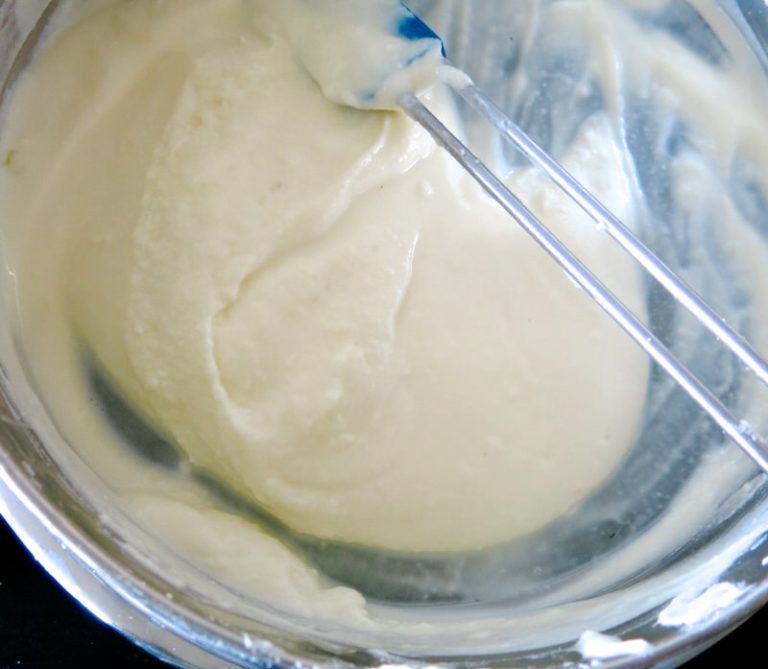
(737, 430)
(678, 288)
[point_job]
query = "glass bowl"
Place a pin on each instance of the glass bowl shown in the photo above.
(655, 566)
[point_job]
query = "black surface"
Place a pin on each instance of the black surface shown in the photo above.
(42, 627)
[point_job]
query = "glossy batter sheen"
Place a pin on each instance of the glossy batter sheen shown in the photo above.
(313, 302)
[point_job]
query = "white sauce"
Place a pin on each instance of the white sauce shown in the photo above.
(605, 647)
(693, 608)
(317, 305)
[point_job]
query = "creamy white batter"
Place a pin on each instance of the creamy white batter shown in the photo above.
(313, 302)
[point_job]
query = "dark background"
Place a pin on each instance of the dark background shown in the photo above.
(42, 627)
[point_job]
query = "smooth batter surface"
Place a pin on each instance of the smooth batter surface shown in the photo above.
(312, 301)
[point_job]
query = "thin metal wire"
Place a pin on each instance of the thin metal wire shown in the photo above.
(681, 291)
(738, 430)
